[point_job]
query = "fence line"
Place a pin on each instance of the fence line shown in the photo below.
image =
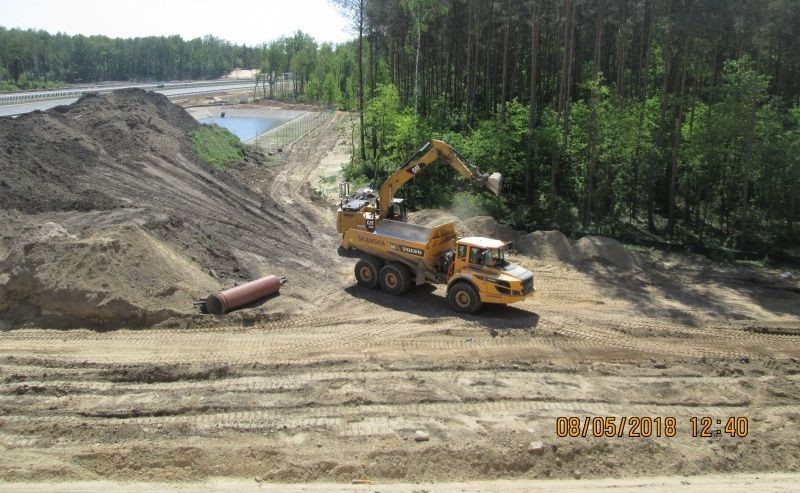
(289, 132)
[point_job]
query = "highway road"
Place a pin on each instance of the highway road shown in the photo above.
(29, 100)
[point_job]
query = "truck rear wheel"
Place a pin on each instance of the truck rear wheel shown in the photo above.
(395, 278)
(367, 272)
(463, 298)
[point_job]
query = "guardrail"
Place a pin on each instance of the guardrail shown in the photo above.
(77, 93)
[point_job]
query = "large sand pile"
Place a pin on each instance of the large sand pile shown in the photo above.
(547, 245)
(52, 159)
(605, 251)
(120, 276)
(434, 217)
(542, 245)
(108, 218)
(489, 227)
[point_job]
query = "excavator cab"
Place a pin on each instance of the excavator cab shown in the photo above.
(364, 209)
(398, 211)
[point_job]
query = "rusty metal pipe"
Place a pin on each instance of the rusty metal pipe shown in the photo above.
(239, 296)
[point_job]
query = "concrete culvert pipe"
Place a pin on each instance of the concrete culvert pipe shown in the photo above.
(239, 296)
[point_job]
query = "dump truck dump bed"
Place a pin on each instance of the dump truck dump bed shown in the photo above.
(419, 247)
(404, 231)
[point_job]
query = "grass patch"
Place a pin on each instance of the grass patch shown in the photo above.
(638, 248)
(756, 264)
(217, 146)
(26, 85)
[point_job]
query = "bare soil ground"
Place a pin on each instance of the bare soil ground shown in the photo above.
(331, 382)
(728, 483)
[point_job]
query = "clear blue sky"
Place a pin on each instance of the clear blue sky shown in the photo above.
(239, 21)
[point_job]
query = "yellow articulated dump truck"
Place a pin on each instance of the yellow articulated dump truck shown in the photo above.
(396, 255)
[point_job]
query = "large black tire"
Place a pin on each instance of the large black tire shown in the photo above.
(395, 278)
(463, 298)
(367, 272)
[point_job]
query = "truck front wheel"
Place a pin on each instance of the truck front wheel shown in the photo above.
(367, 272)
(395, 278)
(463, 298)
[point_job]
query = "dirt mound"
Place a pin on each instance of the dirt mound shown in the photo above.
(52, 159)
(489, 227)
(605, 251)
(543, 245)
(434, 217)
(125, 159)
(547, 245)
(117, 277)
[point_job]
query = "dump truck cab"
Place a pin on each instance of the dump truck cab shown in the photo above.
(481, 263)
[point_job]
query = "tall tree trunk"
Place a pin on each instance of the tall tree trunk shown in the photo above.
(751, 135)
(271, 84)
(621, 37)
(661, 134)
(533, 112)
(469, 62)
(361, 78)
(373, 71)
(683, 64)
(416, 62)
(795, 180)
(748, 165)
(563, 99)
(504, 89)
(475, 64)
(641, 93)
(592, 140)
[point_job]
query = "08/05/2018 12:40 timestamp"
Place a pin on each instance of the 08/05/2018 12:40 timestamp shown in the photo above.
(647, 426)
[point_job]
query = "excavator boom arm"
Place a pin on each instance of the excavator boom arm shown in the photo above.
(426, 156)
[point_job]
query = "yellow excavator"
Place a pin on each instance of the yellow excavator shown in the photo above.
(396, 255)
(366, 209)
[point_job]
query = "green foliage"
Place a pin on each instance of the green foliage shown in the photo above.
(395, 136)
(25, 84)
(380, 115)
(36, 59)
(40, 56)
(330, 90)
(716, 155)
(313, 89)
(217, 146)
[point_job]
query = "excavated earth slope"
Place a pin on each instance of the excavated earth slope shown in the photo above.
(136, 225)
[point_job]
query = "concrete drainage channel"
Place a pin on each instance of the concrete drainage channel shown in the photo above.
(271, 129)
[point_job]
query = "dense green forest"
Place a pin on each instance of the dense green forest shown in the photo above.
(32, 59)
(673, 119)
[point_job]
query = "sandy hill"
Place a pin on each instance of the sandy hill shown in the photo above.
(105, 204)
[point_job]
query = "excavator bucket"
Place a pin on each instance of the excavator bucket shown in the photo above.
(494, 183)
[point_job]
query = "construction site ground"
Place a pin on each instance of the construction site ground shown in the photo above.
(332, 382)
